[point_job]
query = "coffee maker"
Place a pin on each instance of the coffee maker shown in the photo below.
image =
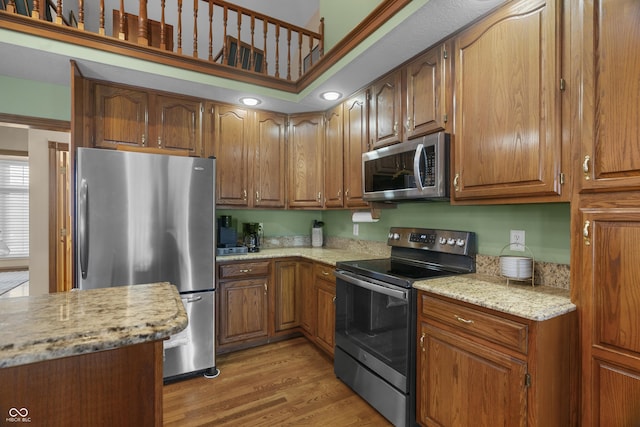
(251, 233)
(228, 238)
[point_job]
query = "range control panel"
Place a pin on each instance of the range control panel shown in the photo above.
(447, 241)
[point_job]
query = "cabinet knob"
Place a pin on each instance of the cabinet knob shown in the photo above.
(319, 196)
(257, 196)
(456, 181)
(422, 341)
(395, 128)
(159, 142)
(144, 140)
(586, 167)
(586, 233)
(244, 194)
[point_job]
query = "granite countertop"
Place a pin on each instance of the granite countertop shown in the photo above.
(325, 255)
(522, 300)
(65, 324)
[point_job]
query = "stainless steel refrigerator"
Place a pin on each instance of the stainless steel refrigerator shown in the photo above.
(145, 218)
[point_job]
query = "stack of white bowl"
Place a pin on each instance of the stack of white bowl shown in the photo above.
(516, 267)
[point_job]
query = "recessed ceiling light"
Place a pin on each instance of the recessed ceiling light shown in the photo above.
(250, 101)
(331, 95)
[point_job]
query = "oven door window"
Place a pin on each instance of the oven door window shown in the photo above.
(375, 322)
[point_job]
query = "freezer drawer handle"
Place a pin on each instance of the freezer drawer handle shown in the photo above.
(83, 233)
(192, 299)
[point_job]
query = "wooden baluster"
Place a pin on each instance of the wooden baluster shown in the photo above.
(58, 12)
(195, 28)
(288, 53)
(253, 25)
(35, 9)
(11, 6)
(101, 29)
(81, 14)
(163, 30)
(210, 31)
(239, 43)
(310, 52)
(277, 50)
(299, 54)
(321, 43)
(143, 36)
(121, 34)
(225, 60)
(265, 26)
(180, 26)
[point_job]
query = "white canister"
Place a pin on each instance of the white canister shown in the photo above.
(316, 237)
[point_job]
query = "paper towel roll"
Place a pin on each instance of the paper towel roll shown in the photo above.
(363, 217)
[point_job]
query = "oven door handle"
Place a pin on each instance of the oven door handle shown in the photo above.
(371, 285)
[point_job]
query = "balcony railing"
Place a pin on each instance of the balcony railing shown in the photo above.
(208, 31)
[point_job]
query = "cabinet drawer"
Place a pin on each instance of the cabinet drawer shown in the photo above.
(244, 269)
(492, 328)
(325, 272)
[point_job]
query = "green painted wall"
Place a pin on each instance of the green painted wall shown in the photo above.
(546, 225)
(35, 99)
(341, 16)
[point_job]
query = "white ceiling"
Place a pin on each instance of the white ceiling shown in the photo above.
(427, 25)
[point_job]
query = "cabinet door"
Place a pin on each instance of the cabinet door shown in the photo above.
(385, 114)
(610, 128)
(287, 303)
(508, 141)
(461, 383)
(428, 92)
(268, 161)
(120, 116)
(177, 124)
(325, 292)
(242, 310)
(355, 143)
(308, 306)
(333, 152)
(608, 296)
(231, 144)
(306, 141)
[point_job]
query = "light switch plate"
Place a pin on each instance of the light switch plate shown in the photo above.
(356, 229)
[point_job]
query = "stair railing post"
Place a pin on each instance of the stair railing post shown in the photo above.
(143, 35)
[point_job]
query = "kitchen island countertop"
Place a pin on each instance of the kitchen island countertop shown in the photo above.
(519, 299)
(52, 326)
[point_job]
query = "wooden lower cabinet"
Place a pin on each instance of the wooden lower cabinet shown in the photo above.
(325, 309)
(484, 368)
(308, 306)
(287, 296)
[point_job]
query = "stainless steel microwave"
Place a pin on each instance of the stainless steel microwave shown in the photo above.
(413, 170)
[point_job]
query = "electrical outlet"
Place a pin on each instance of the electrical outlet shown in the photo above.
(356, 229)
(516, 240)
(260, 229)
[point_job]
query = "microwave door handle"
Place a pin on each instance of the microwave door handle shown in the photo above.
(416, 166)
(371, 286)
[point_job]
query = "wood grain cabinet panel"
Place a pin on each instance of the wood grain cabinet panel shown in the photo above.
(288, 295)
(508, 142)
(178, 124)
(355, 137)
(385, 111)
(269, 161)
(306, 151)
(120, 116)
(333, 158)
(429, 92)
(607, 34)
(243, 310)
(325, 295)
(308, 306)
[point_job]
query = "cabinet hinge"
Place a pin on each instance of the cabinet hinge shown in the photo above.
(561, 178)
(202, 108)
(563, 84)
(445, 118)
(527, 380)
(63, 232)
(63, 170)
(445, 55)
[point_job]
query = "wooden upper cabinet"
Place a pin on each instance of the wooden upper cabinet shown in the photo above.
(609, 67)
(178, 124)
(230, 147)
(355, 143)
(333, 152)
(385, 114)
(429, 92)
(508, 142)
(306, 143)
(120, 116)
(269, 160)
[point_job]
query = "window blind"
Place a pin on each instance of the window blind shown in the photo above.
(14, 206)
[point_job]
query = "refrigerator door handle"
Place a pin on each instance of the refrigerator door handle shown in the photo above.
(192, 299)
(83, 232)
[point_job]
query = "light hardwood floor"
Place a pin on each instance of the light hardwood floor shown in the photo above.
(285, 383)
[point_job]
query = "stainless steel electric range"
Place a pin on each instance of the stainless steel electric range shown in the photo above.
(376, 314)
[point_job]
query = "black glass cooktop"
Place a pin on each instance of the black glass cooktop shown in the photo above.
(392, 271)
